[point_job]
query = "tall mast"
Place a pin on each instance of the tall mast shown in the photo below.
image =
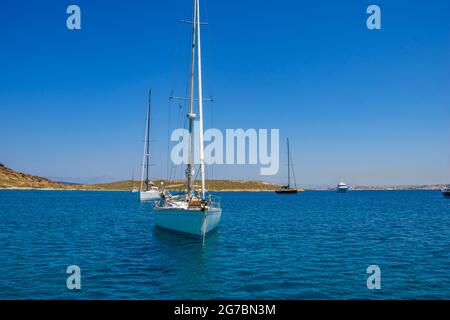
(146, 144)
(200, 103)
(147, 153)
(191, 115)
(289, 163)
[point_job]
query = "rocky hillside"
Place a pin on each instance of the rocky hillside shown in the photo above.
(11, 179)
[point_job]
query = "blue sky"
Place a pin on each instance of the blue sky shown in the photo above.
(371, 107)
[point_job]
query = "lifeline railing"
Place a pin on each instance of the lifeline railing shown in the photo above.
(214, 201)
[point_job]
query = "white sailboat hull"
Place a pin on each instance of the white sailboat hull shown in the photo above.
(190, 213)
(195, 222)
(149, 195)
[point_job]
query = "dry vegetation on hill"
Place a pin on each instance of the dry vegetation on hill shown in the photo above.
(11, 179)
(211, 185)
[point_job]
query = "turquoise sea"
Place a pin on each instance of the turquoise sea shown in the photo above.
(316, 245)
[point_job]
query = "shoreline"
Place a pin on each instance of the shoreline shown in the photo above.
(409, 188)
(14, 180)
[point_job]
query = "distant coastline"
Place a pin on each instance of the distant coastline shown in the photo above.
(13, 180)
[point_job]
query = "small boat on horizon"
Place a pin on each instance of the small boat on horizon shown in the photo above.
(133, 188)
(287, 189)
(148, 189)
(446, 191)
(342, 187)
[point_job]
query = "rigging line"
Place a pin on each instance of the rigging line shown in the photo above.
(200, 103)
(292, 167)
(209, 66)
(181, 42)
(212, 166)
(174, 169)
(177, 124)
(175, 52)
(448, 169)
(177, 65)
(168, 163)
(145, 149)
(181, 123)
(174, 64)
(293, 174)
(196, 175)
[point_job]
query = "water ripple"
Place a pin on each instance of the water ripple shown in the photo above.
(316, 245)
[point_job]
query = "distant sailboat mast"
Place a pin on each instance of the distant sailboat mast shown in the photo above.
(148, 190)
(286, 189)
(147, 155)
(145, 160)
(289, 164)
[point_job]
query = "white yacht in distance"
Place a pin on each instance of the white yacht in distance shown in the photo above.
(148, 190)
(446, 191)
(191, 212)
(342, 187)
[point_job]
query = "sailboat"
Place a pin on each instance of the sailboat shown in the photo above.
(148, 189)
(133, 188)
(287, 189)
(191, 212)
